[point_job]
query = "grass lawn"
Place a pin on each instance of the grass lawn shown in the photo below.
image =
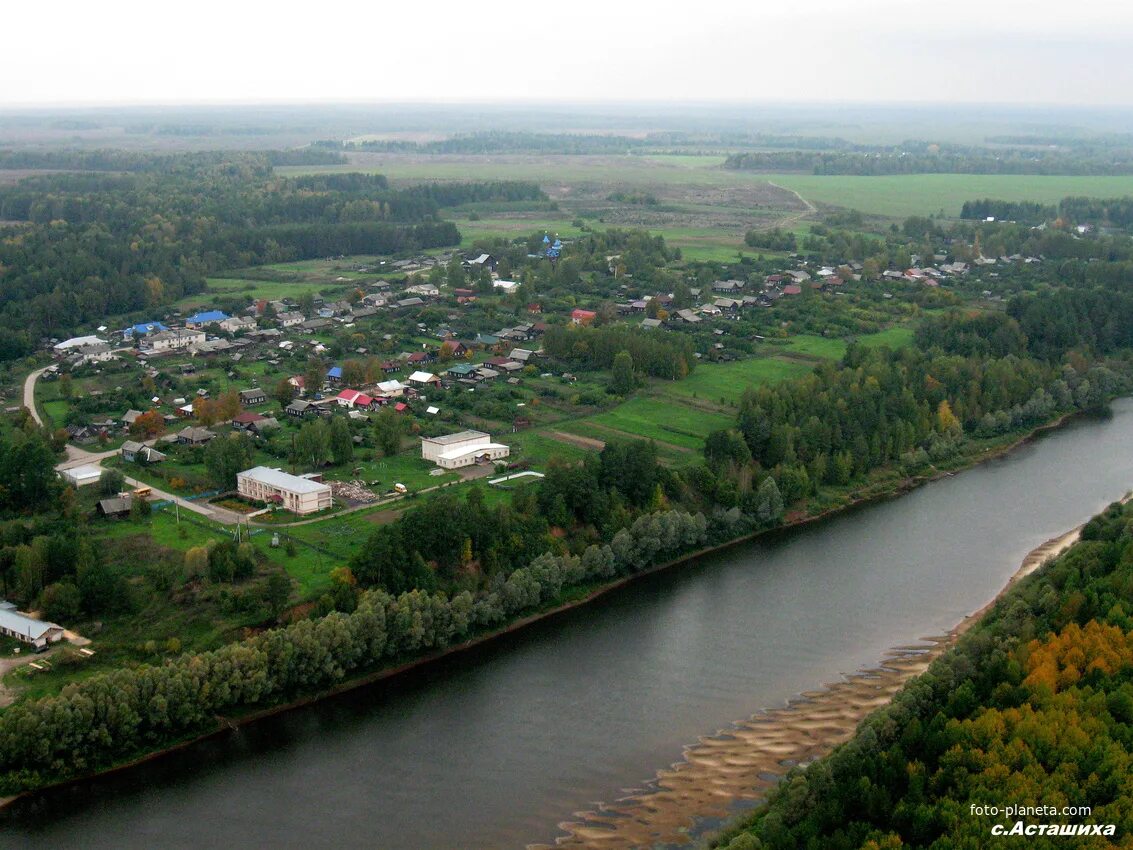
(898, 337)
(812, 346)
(538, 449)
(407, 468)
(657, 419)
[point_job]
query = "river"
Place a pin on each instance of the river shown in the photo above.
(494, 747)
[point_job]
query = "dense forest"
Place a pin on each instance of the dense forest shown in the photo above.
(1034, 705)
(90, 245)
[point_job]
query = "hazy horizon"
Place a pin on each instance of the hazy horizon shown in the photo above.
(124, 52)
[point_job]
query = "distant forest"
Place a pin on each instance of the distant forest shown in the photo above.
(921, 157)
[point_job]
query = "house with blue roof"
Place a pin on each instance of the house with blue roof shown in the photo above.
(142, 328)
(207, 318)
(334, 374)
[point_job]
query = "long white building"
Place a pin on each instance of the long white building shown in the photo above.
(36, 633)
(464, 448)
(293, 492)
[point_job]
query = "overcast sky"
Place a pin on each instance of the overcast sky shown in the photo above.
(129, 51)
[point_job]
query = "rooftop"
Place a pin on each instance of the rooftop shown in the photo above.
(283, 480)
(459, 437)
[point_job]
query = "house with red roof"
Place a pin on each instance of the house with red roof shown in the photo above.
(245, 420)
(354, 399)
(582, 317)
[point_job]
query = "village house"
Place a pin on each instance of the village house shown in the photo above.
(482, 261)
(116, 507)
(235, 324)
(194, 436)
(312, 325)
(354, 398)
(253, 396)
(582, 317)
(461, 370)
(298, 408)
(391, 389)
(264, 424)
(244, 420)
(424, 379)
(728, 287)
(465, 448)
(287, 320)
(133, 451)
(298, 494)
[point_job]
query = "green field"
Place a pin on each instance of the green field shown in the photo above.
(812, 346)
(894, 338)
(921, 194)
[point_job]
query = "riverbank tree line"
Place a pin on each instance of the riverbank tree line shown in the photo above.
(907, 409)
(112, 716)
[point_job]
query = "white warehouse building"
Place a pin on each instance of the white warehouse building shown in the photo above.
(294, 492)
(465, 448)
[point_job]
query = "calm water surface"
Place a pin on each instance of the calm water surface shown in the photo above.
(494, 748)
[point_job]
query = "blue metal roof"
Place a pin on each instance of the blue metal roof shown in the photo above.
(143, 328)
(207, 317)
(334, 372)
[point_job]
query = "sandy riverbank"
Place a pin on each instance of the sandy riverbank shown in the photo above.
(742, 762)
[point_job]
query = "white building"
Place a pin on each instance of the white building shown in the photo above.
(295, 493)
(508, 286)
(465, 448)
(80, 476)
(36, 633)
(78, 342)
(173, 340)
